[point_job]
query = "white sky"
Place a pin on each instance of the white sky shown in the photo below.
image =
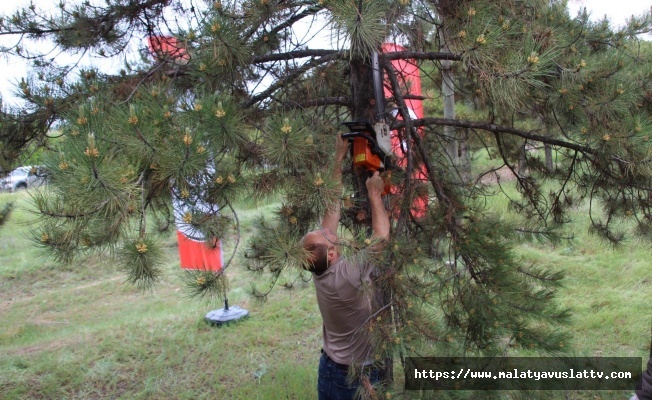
(13, 69)
(616, 11)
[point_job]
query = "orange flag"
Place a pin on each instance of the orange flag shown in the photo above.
(195, 251)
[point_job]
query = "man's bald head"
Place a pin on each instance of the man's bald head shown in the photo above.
(323, 248)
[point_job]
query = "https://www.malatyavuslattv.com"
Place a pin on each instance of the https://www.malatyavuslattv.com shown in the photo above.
(535, 373)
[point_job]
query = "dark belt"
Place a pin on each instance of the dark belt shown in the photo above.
(343, 367)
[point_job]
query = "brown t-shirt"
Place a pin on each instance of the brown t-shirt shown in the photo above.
(345, 309)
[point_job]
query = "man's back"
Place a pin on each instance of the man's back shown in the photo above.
(345, 310)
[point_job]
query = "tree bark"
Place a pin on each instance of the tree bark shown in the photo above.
(457, 146)
(363, 109)
(362, 103)
(548, 150)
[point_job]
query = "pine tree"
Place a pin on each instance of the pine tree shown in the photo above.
(242, 106)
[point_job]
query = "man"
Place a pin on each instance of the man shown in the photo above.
(343, 306)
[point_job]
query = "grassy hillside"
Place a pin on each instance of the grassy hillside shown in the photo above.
(79, 332)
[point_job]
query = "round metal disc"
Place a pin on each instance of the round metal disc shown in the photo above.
(223, 316)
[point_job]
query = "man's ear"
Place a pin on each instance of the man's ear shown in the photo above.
(332, 253)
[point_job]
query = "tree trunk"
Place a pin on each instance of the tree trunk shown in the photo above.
(363, 103)
(549, 165)
(362, 90)
(522, 159)
(457, 141)
(448, 92)
(548, 150)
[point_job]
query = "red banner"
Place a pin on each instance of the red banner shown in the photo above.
(168, 47)
(410, 83)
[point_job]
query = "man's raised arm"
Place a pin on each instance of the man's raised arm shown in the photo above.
(332, 215)
(379, 217)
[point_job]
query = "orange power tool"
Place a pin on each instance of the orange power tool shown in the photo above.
(370, 152)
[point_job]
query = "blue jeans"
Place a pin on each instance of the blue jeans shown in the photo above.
(332, 385)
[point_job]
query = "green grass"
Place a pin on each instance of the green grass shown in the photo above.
(79, 332)
(608, 289)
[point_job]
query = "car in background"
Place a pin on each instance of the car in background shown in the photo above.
(22, 178)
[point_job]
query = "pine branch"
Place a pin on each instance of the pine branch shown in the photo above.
(408, 97)
(75, 215)
(287, 23)
(282, 82)
(421, 55)
(556, 204)
(99, 27)
(148, 75)
(497, 129)
(530, 189)
(36, 31)
(290, 21)
(5, 212)
(291, 55)
(326, 101)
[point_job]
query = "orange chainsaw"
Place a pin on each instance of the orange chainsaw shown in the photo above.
(371, 149)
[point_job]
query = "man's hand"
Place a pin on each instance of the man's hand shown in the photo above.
(375, 185)
(341, 147)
